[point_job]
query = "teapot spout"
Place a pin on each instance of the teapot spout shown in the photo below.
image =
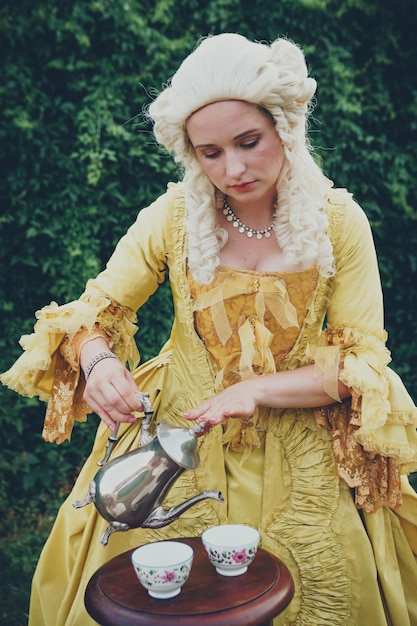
(162, 517)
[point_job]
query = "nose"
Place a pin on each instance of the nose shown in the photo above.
(234, 165)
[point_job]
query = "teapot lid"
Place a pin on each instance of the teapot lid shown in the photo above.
(180, 444)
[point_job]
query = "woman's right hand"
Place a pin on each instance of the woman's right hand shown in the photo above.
(110, 390)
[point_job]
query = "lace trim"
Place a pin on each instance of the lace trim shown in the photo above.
(374, 478)
(49, 366)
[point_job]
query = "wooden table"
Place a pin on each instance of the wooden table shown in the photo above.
(114, 596)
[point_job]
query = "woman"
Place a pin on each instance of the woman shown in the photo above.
(277, 346)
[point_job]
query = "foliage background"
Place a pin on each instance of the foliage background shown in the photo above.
(78, 161)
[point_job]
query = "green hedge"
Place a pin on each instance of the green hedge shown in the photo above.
(78, 161)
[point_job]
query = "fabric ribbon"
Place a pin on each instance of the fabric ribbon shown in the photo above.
(327, 363)
(273, 297)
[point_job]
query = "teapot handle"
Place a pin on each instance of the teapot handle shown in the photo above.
(111, 442)
(145, 436)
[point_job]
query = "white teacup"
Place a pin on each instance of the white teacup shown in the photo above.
(163, 567)
(231, 547)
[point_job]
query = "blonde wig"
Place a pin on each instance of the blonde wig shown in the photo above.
(274, 77)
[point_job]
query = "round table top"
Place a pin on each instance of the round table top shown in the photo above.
(114, 596)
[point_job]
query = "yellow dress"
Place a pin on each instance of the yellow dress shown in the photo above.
(335, 505)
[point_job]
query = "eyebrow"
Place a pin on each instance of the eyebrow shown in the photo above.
(237, 137)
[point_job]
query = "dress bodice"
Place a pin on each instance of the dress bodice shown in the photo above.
(250, 320)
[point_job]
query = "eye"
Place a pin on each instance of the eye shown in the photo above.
(250, 144)
(211, 155)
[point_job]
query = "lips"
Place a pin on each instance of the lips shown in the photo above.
(243, 186)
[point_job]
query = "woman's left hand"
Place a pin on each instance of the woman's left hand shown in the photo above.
(236, 401)
(298, 388)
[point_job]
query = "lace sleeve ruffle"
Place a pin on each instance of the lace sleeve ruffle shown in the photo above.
(49, 366)
(374, 432)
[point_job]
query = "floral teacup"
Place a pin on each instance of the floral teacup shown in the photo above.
(231, 547)
(163, 567)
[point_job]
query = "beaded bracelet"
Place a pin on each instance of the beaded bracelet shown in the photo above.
(96, 359)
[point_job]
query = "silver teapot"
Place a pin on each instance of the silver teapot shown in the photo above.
(129, 490)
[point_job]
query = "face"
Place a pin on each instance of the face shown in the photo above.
(239, 150)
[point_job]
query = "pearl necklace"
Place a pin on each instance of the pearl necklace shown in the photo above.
(242, 228)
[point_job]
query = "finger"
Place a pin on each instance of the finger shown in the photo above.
(104, 416)
(111, 381)
(117, 395)
(128, 400)
(109, 405)
(200, 412)
(195, 413)
(115, 405)
(213, 420)
(210, 416)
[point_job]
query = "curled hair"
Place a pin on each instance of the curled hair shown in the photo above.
(275, 78)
